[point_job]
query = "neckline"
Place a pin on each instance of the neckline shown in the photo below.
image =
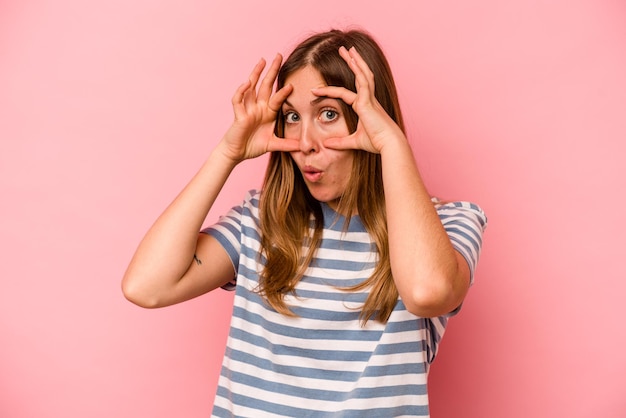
(336, 221)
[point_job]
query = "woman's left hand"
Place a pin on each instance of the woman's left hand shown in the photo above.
(375, 127)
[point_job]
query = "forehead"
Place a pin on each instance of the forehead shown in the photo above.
(305, 78)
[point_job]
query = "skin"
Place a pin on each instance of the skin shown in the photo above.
(311, 119)
(437, 281)
(174, 263)
(165, 269)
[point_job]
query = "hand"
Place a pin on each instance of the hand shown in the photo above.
(252, 131)
(375, 127)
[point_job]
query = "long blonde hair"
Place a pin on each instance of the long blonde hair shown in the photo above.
(286, 206)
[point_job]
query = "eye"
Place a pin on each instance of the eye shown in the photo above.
(291, 117)
(328, 115)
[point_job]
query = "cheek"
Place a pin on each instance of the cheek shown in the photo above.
(290, 132)
(343, 164)
(334, 129)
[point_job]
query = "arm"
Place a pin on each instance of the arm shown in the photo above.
(432, 278)
(174, 262)
(163, 270)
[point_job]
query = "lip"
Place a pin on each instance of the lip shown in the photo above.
(312, 174)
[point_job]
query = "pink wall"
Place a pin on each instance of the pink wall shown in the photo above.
(108, 107)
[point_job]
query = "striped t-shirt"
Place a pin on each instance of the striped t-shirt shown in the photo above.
(324, 362)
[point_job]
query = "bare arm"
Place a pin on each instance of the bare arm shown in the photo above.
(432, 278)
(163, 270)
(174, 262)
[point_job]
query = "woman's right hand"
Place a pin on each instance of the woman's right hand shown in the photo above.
(252, 131)
(173, 262)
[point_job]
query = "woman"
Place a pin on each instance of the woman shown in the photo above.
(345, 269)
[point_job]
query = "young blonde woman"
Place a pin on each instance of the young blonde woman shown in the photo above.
(345, 269)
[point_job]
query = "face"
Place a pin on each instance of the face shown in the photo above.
(311, 119)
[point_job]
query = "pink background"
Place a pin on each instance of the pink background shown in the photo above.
(108, 107)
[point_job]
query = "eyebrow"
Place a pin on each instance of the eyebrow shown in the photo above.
(315, 101)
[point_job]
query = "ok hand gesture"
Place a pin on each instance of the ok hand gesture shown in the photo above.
(252, 131)
(375, 127)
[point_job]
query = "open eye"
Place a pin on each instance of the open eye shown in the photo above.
(328, 115)
(291, 117)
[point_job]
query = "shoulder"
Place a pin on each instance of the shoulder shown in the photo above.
(461, 209)
(252, 198)
(249, 206)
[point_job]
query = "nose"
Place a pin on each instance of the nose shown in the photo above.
(310, 141)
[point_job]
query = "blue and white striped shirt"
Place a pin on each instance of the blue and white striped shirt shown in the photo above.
(324, 362)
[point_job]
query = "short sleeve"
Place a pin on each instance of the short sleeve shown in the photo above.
(227, 231)
(465, 223)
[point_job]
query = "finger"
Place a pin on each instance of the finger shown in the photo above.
(276, 101)
(237, 99)
(342, 143)
(335, 92)
(253, 78)
(256, 72)
(358, 59)
(265, 90)
(350, 60)
(356, 141)
(362, 73)
(283, 144)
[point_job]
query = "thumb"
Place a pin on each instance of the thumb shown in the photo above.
(283, 144)
(342, 143)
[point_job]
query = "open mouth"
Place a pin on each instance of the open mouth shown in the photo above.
(312, 174)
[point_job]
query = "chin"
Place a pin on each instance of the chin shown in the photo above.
(332, 201)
